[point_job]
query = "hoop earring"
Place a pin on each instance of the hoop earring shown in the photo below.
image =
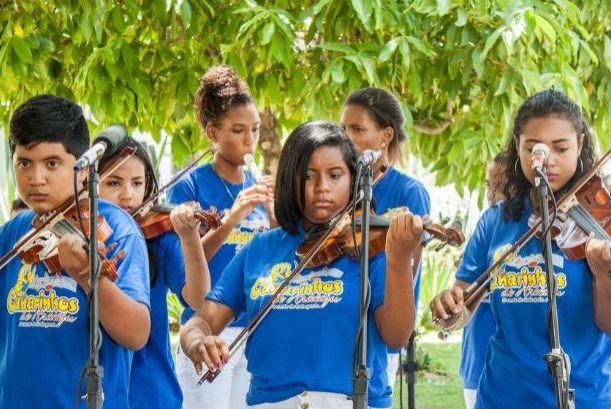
(580, 166)
(515, 166)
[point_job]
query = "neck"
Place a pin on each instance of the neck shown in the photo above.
(226, 170)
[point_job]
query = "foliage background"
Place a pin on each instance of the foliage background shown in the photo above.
(460, 67)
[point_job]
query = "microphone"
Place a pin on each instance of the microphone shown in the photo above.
(369, 157)
(109, 141)
(538, 156)
(249, 162)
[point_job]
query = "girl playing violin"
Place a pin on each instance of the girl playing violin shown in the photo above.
(44, 320)
(228, 115)
(373, 119)
(177, 263)
(515, 375)
(302, 353)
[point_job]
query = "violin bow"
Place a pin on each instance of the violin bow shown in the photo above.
(55, 215)
(476, 289)
(147, 204)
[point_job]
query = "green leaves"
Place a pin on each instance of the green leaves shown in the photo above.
(140, 63)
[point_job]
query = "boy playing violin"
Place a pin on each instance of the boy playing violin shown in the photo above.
(45, 326)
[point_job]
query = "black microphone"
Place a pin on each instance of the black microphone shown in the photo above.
(109, 141)
(369, 157)
(538, 156)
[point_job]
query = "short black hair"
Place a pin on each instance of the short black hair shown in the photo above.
(289, 200)
(385, 111)
(151, 185)
(49, 118)
(18, 205)
(540, 105)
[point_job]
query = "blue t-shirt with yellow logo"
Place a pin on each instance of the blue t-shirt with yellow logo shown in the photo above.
(45, 324)
(204, 186)
(307, 341)
(153, 382)
(515, 374)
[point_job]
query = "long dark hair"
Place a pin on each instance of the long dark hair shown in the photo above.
(540, 105)
(151, 185)
(289, 201)
(385, 111)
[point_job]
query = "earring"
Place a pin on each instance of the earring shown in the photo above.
(580, 166)
(383, 145)
(515, 166)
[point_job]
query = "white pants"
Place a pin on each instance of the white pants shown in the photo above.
(228, 391)
(470, 395)
(311, 400)
(391, 369)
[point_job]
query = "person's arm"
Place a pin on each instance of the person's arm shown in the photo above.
(127, 321)
(244, 204)
(197, 275)
(395, 317)
(598, 255)
(199, 336)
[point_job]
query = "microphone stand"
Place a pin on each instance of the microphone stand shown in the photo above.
(410, 366)
(558, 362)
(361, 374)
(94, 372)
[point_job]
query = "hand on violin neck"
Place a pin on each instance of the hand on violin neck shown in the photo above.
(404, 235)
(184, 221)
(598, 255)
(74, 259)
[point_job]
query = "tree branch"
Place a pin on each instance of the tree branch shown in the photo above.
(436, 130)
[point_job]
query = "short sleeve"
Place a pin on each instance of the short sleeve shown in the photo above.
(173, 264)
(133, 269)
(229, 290)
(475, 258)
(377, 279)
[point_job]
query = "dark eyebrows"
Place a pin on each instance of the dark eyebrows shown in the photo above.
(48, 158)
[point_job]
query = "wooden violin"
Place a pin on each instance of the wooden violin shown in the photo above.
(157, 220)
(341, 241)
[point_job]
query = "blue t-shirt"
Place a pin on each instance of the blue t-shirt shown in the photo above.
(204, 186)
(45, 324)
(307, 341)
(153, 382)
(394, 190)
(475, 338)
(515, 374)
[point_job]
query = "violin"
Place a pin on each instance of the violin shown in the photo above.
(157, 221)
(589, 211)
(341, 241)
(44, 247)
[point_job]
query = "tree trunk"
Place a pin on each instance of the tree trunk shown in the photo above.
(269, 141)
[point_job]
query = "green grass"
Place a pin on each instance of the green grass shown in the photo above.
(438, 386)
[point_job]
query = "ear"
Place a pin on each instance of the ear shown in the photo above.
(388, 135)
(580, 140)
(212, 133)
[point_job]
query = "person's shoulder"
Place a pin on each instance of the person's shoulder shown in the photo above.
(200, 173)
(121, 222)
(17, 226)
(405, 181)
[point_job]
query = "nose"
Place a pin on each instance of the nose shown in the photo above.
(38, 176)
(126, 194)
(322, 184)
(251, 137)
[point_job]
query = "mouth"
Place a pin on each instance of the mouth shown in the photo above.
(128, 209)
(37, 197)
(552, 176)
(322, 204)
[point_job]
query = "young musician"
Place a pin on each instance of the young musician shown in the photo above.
(515, 374)
(303, 352)
(44, 322)
(480, 328)
(227, 113)
(176, 262)
(373, 119)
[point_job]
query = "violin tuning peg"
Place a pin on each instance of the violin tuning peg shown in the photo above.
(445, 220)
